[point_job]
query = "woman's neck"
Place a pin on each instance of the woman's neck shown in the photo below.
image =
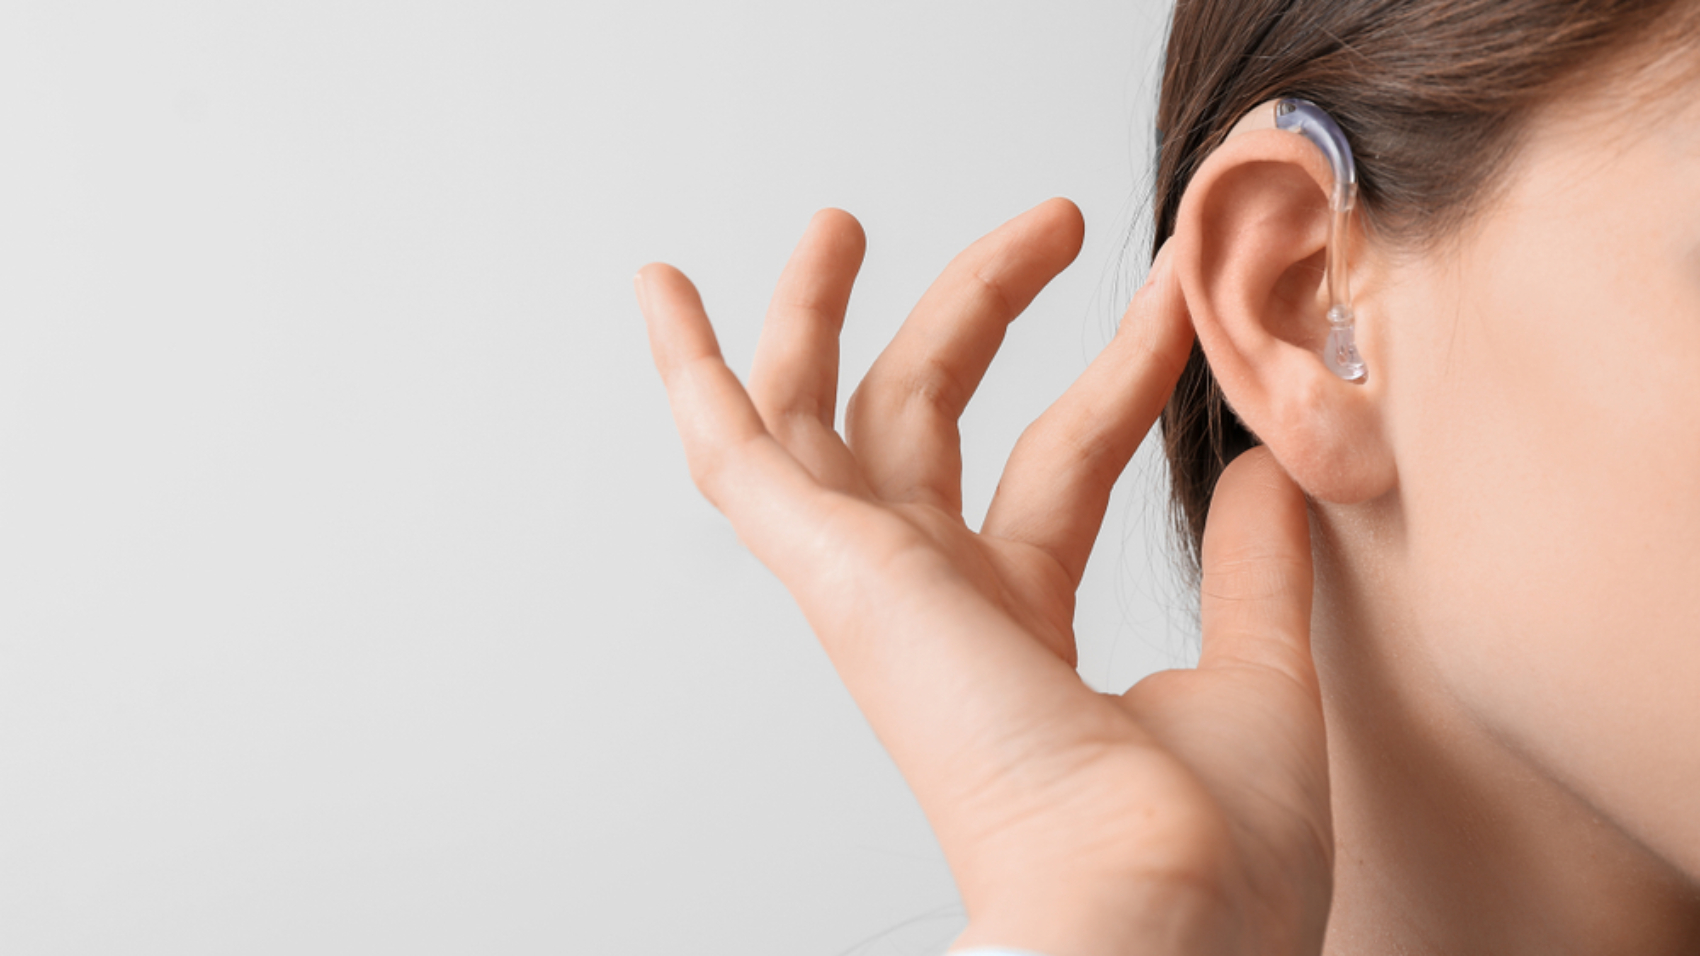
(1447, 841)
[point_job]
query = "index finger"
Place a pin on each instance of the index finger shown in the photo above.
(1057, 484)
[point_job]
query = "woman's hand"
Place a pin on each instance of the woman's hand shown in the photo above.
(1188, 815)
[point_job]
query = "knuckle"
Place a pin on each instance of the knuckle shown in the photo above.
(1252, 576)
(884, 398)
(934, 382)
(815, 309)
(706, 468)
(711, 465)
(992, 287)
(1093, 452)
(1070, 438)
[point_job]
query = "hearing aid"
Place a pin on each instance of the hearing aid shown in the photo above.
(1307, 119)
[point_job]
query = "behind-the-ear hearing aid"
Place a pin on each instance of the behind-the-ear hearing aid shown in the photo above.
(1310, 121)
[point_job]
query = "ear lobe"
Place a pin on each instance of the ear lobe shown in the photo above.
(1251, 244)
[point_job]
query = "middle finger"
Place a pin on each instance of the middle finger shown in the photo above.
(794, 382)
(902, 421)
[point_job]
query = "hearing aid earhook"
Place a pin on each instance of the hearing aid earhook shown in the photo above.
(1313, 123)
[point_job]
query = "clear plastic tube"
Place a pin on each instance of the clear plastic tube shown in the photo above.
(1310, 121)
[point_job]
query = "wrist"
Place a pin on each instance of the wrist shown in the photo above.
(1164, 919)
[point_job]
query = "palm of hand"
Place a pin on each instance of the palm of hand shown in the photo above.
(1020, 580)
(1060, 809)
(1233, 752)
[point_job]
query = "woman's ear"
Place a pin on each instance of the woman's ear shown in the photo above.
(1251, 246)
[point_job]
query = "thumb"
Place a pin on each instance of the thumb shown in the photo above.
(1257, 572)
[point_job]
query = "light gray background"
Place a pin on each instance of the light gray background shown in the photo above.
(353, 594)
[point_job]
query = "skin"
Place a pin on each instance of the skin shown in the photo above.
(1527, 592)
(1500, 533)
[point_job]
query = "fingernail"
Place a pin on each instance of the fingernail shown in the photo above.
(641, 286)
(1156, 266)
(1158, 261)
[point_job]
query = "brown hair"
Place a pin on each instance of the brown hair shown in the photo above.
(1433, 95)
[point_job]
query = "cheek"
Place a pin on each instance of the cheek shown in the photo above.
(1548, 431)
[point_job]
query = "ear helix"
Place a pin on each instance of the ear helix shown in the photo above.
(1307, 119)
